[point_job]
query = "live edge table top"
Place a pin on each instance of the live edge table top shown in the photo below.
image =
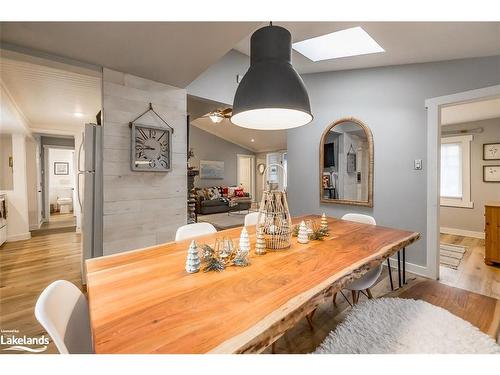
(143, 301)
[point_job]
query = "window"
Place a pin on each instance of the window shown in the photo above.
(455, 171)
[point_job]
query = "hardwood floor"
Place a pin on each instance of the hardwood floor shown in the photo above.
(472, 274)
(58, 223)
(26, 268)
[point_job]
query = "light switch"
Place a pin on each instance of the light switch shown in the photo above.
(417, 164)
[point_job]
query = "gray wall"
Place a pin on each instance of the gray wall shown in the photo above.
(390, 100)
(207, 146)
(57, 141)
(472, 219)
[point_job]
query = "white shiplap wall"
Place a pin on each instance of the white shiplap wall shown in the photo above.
(141, 208)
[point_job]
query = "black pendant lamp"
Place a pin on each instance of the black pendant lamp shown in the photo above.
(271, 95)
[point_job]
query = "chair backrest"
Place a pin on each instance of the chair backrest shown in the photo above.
(360, 218)
(251, 219)
(194, 230)
(63, 311)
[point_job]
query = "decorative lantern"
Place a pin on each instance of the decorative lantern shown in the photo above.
(274, 217)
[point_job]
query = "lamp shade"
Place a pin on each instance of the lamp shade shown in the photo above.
(271, 95)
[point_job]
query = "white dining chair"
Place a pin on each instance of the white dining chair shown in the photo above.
(251, 219)
(368, 279)
(194, 230)
(63, 311)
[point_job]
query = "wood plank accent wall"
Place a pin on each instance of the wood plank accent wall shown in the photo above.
(141, 208)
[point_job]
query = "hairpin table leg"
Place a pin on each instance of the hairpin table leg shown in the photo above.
(404, 265)
(390, 273)
(399, 269)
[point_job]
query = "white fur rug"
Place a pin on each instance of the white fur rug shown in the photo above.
(396, 325)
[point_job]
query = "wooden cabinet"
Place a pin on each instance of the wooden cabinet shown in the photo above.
(492, 232)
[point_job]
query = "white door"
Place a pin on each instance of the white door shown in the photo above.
(246, 173)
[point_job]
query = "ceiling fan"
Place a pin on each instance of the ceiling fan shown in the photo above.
(218, 115)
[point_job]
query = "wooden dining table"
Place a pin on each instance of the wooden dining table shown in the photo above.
(143, 301)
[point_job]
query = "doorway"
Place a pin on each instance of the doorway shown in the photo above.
(458, 127)
(245, 166)
(59, 187)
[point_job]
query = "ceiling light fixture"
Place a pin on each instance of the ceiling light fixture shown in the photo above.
(78, 114)
(252, 140)
(216, 117)
(271, 95)
(349, 42)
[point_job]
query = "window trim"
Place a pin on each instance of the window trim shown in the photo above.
(465, 201)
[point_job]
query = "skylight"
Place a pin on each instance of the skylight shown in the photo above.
(350, 42)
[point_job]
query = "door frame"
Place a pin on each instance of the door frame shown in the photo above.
(252, 171)
(434, 106)
(46, 184)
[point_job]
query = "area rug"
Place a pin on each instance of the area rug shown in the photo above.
(223, 220)
(451, 255)
(405, 326)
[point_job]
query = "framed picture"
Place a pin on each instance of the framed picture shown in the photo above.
(61, 168)
(491, 151)
(491, 173)
(211, 170)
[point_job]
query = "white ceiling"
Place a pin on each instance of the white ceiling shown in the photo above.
(468, 112)
(170, 52)
(49, 97)
(404, 42)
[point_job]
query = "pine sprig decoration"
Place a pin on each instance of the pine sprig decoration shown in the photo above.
(214, 264)
(318, 233)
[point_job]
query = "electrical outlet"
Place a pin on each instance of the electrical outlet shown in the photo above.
(417, 164)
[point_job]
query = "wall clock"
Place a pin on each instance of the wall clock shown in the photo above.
(151, 148)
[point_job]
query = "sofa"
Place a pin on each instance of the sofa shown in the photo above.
(219, 199)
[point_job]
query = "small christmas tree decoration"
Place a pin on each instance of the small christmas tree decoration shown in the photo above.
(303, 236)
(260, 243)
(241, 258)
(244, 246)
(324, 223)
(193, 259)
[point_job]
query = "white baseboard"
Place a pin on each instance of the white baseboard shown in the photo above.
(410, 267)
(462, 232)
(19, 237)
(35, 227)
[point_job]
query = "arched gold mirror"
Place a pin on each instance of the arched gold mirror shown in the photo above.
(346, 163)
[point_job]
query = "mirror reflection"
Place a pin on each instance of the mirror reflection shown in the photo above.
(346, 163)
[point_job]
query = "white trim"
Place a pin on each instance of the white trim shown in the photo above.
(410, 267)
(35, 226)
(465, 200)
(434, 106)
(462, 232)
(19, 237)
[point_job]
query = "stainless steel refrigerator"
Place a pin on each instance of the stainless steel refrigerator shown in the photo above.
(90, 192)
